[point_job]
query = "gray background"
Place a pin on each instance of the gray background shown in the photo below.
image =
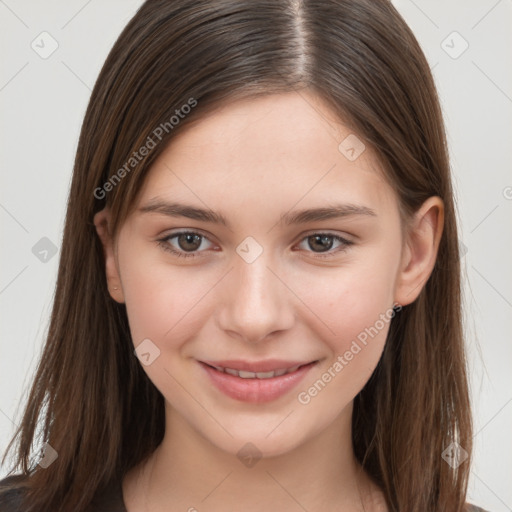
(43, 101)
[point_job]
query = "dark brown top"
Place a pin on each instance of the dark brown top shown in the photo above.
(109, 500)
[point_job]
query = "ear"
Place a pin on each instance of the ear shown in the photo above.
(420, 250)
(102, 222)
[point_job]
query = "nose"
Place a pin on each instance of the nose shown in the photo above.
(255, 301)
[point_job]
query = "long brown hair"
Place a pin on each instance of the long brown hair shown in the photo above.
(93, 402)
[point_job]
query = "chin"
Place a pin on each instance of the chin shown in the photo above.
(256, 443)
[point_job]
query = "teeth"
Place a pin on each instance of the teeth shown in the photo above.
(265, 375)
(256, 375)
(246, 375)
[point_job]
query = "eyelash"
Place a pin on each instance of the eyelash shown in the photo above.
(164, 244)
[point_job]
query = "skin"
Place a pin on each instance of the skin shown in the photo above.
(254, 160)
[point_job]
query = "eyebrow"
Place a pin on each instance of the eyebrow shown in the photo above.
(290, 218)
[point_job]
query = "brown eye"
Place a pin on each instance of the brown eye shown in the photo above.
(186, 244)
(321, 242)
(189, 241)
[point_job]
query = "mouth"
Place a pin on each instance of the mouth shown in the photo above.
(256, 382)
(244, 374)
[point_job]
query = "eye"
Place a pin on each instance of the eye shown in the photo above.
(324, 242)
(188, 242)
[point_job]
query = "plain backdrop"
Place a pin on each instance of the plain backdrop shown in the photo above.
(43, 101)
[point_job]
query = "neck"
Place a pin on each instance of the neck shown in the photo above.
(188, 472)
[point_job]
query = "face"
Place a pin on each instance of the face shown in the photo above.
(257, 286)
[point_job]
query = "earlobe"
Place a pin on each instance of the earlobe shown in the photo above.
(102, 224)
(420, 250)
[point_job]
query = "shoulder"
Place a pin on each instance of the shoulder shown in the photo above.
(110, 498)
(11, 493)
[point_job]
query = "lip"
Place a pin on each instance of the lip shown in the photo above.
(256, 390)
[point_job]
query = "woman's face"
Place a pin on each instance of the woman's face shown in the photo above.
(273, 286)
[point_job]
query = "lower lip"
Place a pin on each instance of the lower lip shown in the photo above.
(256, 390)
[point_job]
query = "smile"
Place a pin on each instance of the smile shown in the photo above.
(257, 375)
(255, 382)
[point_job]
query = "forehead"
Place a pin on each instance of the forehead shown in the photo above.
(272, 150)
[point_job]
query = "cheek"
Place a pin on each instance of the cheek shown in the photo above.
(164, 303)
(353, 311)
(159, 305)
(347, 299)
(360, 323)
(166, 306)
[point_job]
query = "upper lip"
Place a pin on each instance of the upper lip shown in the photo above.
(268, 365)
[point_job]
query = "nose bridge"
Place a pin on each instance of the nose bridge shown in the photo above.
(256, 301)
